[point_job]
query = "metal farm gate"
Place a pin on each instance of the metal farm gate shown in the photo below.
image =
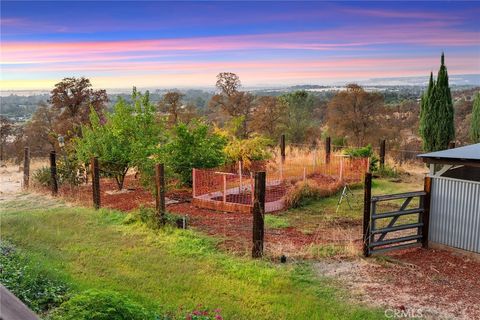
(455, 213)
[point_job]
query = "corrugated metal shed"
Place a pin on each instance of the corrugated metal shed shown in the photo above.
(455, 197)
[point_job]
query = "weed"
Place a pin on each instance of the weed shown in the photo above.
(276, 222)
(36, 287)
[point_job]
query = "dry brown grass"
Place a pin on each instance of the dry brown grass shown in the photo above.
(305, 191)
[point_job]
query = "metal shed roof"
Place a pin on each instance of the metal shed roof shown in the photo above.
(467, 155)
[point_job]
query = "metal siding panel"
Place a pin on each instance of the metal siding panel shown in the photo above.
(455, 213)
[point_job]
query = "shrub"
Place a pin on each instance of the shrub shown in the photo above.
(303, 193)
(149, 217)
(364, 152)
(101, 305)
(387, 172)
(68, 170)
(37, 288)
(42, 176)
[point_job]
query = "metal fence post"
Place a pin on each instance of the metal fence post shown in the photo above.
(258, 215)
(95, 182)
(53, 173)
(26, 168)
(427, 187)
(367, 203)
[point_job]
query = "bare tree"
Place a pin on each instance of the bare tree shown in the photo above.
(228, 83)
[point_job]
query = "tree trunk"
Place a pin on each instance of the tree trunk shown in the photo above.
(121, 179)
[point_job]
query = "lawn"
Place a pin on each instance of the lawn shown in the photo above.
(309, 217)
(168, 269)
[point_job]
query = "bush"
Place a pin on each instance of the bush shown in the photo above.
(67, 173)
(42, 176)
(148, 216)
(364, 152)
(305, 192)
(35, 287)
(101, 305)
(387, 172)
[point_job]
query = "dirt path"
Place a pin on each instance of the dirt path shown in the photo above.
(431, 284)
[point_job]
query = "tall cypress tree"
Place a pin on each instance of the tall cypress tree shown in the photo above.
(437, 126)
(475, 125)
(426, 120)
(442, 106)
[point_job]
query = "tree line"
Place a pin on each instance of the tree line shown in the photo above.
(352, 116)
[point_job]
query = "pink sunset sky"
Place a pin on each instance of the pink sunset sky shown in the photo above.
(161, 44)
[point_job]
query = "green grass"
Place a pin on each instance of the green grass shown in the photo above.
(308, 218)
(167, 269)
(276, 221)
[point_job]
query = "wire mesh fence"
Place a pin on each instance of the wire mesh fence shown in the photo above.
(231, 188)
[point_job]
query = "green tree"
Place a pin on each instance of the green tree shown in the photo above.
(427, 116)
(300, 123)
(245, 150)
(73, 98)
(127, 137)
(437, 126)
(353, 114)
(193, 145)
(232, 102)
(475, 124)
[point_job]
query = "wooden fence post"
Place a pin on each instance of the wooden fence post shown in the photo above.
(53, 173)
(328, 149)
(26, 168)
(382, 153)
(258, 215)
(282, 147)
(427, 187)
(160, 191)
(95, 182)
(367, 202)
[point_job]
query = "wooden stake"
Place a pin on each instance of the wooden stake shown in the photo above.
(341, 169)
(224, 188)
(258, 215)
